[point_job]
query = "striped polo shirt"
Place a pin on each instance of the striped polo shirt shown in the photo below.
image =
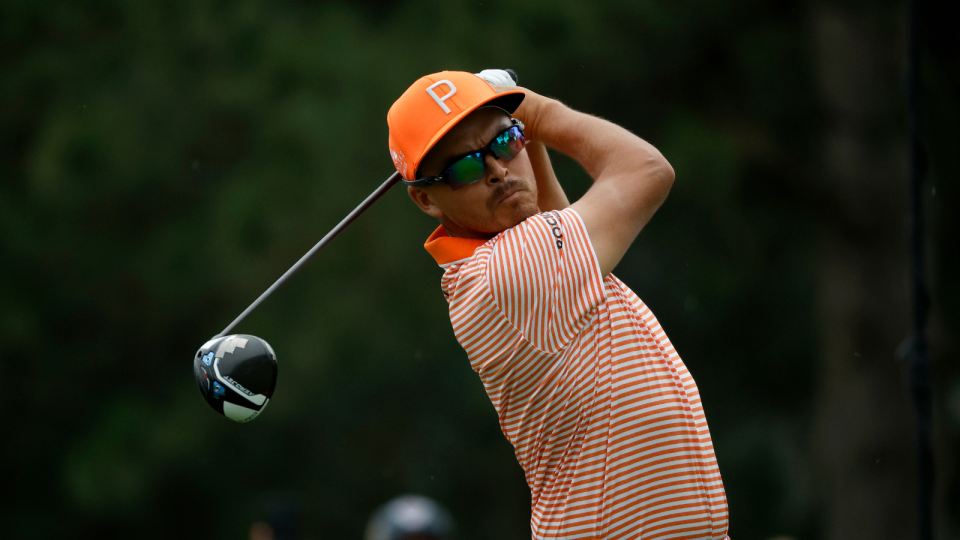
(604, 417)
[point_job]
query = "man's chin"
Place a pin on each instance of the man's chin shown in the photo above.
(520, 213)
(508, 216)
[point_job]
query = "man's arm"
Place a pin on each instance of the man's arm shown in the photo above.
(631, 178)
(550, 195)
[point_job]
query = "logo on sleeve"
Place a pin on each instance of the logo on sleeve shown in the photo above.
(554, 228)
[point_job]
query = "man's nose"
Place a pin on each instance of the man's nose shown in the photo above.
(496, 170)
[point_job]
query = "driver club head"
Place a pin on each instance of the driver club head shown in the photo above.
(236, 374)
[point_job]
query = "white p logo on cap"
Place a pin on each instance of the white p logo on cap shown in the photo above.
(440, 100)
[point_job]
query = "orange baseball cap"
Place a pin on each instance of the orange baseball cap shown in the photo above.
(431, 107)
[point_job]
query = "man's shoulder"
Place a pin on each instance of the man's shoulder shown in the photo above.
(541, 233)
(546, 233)
(551, 221)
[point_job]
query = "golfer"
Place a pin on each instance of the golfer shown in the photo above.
(604, 417)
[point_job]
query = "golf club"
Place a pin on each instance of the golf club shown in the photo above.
(394, 178)
(245, 364)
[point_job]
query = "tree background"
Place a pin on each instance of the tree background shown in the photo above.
(161, 163)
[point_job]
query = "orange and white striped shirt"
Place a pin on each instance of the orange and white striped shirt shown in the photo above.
(605, 419)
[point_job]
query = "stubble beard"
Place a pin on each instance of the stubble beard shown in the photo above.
(519, 208)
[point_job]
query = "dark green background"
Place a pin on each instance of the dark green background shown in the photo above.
(162, 162)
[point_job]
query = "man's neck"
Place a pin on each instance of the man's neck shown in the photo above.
(457, 231)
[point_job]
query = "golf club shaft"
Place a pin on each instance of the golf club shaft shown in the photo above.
(394, 178)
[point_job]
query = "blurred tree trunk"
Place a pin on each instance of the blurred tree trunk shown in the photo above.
(862, 424)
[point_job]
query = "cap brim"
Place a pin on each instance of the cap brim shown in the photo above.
(508, 101)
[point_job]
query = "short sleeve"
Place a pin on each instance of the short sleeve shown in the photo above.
(545, 278)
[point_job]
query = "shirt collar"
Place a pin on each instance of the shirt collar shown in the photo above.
(447, 249)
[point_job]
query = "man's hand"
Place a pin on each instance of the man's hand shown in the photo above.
(529, 110)
(499, 77)
(506, 80)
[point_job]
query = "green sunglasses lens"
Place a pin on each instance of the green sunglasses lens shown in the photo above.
(469, 169)
(466, 171)
(508, 144)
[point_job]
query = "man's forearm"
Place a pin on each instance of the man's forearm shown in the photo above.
(631, 177)
(550, 194)
(601, 147)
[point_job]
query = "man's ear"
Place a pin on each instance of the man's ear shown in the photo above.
(423, 200)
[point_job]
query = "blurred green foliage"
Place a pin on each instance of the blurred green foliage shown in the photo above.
(163, 162)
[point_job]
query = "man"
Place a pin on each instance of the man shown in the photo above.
(603, 415)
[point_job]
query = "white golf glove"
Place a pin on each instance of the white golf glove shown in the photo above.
(497, 77)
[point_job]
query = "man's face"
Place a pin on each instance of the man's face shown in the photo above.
(504, 197)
